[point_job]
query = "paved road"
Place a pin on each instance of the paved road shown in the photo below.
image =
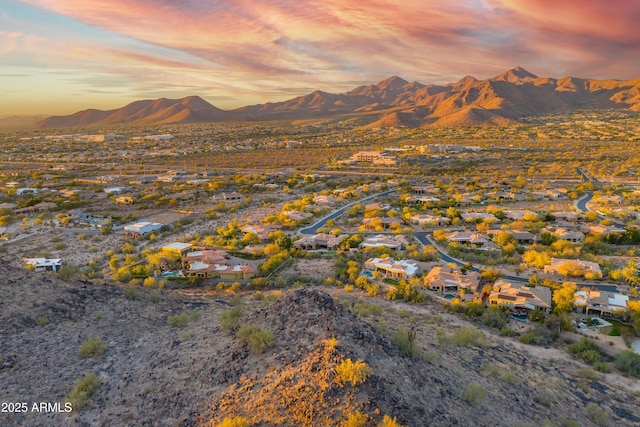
(582, 202)
(313, 229)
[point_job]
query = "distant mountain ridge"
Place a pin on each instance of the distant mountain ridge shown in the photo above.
(505, 98)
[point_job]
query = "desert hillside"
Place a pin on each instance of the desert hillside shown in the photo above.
(168, 361)
(395, 102)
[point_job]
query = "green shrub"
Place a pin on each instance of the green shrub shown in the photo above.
(597, 415)
(494, 318)
(474, 309)
(234, 422)
(178, 321)
(353, 372)
(544, 397)
(507, 332)
(131, 293)
(541, 335)
(83, 389)
(474, 394)
(566, 422)
(629, 363)
(93, 347)
(183, 319)
(468, 337)
(258, 338)
(589, 374)
(154, 296)
(366, 309)
(405, 340)
(602, 367)
(230, 319)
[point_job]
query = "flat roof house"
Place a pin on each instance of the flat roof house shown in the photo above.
(141, 228)
(403, 269)
(44, 264)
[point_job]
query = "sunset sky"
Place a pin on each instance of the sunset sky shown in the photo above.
(60, 56)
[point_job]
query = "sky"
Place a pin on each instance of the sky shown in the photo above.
(61, 56)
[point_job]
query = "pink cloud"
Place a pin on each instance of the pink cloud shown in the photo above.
(329, 44)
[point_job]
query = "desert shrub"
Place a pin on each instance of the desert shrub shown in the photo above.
(353, 372)
(541, 335)
(67, 271)
(366, 309)
(387, 421)
(567, 422)
(230, 319)
(510, 378)
(405, 340)
(507, 331)
(83, 389)
(93, 347)
(629, 362)
(131, 293)
(258, 338)
(601, 366)
(468, 337)
(493, 318)
(183, 319)
(597, 415)
(355, 419)
(233, 422)
(474, 394)
(589, 374)
(588, 351)
(544, 397)
(42, 320)
(154, 296)
(474, 309)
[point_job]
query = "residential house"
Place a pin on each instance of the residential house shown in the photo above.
(603, 230)
(207, 256)
(574, 266)
(519, 214)
(218, 271)
(568, 216)
(38, 207)
(388, 267)
(519, 298)
(297, 215)
(563, 233)
(385, 223)
(480, 216)
(522, 237)
(430, 220)
(395, 242)
(177, 248)
(320, 241)
(321, 200)
(448, 279)
(234, 196)
(44, 264)
(125, 199)
(471, 239)
(262, 231)
(141, 228)
(600, 303)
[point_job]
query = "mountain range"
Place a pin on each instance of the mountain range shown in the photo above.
(393, 102)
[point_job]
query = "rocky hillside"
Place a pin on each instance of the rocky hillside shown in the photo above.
(502, 99)
(158, 372)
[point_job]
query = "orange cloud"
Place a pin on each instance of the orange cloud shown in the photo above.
(261, 47)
